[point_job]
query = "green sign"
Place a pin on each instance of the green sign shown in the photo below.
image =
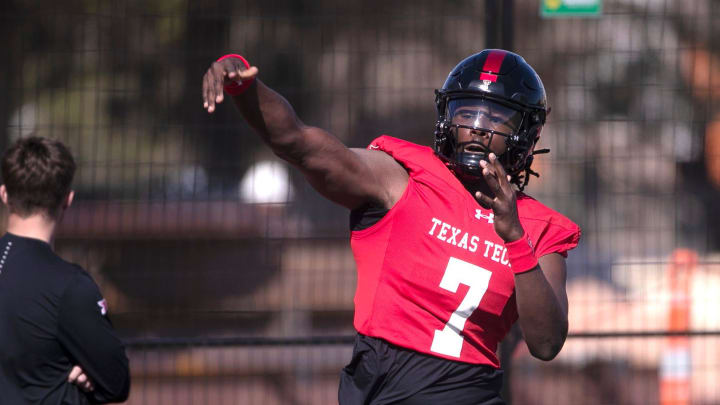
(570, 8)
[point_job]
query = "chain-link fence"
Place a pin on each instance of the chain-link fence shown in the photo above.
(232, 280)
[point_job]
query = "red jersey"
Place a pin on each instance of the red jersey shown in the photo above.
(433, 276)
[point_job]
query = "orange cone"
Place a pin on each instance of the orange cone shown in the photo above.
(675, 367)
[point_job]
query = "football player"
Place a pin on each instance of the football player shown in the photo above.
(450, 252)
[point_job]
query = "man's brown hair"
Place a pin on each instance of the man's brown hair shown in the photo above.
(37, 173)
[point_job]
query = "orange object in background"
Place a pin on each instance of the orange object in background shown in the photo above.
(712, 150)
(675, 367)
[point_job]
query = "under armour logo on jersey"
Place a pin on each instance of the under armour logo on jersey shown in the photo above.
(373, 146)
(103, 306)
(480, 215)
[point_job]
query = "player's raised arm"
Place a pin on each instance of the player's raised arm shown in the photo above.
(350, 177)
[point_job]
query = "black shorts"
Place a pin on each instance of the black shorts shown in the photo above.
(382, 373)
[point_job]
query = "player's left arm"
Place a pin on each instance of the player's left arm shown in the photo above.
(543, 306)
(539, 287)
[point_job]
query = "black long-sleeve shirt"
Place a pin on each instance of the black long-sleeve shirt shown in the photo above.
(53, 317)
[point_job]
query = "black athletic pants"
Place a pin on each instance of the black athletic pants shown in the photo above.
(382, 373)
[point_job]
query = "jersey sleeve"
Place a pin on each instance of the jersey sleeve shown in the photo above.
(556, 238)
(88, 336)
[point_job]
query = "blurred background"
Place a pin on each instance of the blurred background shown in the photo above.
(232, 281)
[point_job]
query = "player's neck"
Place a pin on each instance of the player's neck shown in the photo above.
(36, 226)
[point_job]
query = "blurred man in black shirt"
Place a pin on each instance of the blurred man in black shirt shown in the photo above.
(57, 345)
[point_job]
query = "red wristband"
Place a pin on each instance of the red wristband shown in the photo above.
(235, 88)
(521, 254)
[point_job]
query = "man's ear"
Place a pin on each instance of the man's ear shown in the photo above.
(68, 199)
(3, 194)
(547, 113)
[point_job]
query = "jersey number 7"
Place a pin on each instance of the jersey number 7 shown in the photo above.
(448, 341)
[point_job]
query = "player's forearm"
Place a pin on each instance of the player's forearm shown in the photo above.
(275, 120)
(542, 317)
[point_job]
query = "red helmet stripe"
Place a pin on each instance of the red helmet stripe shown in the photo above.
(494, 61)
(488, 76)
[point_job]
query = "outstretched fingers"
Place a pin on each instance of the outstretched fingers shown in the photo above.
(209, 91)
(497, 180)
(213, 86)
(490, 173)
(218, 75)
(500, 180)
(484, 201)
(206, 92)
(503, 177)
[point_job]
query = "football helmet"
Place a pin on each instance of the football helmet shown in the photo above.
(494, 93)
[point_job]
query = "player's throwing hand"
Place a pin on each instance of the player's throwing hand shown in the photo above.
(225, 72)
(504, 205)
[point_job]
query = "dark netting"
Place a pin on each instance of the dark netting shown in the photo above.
(232, 281)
